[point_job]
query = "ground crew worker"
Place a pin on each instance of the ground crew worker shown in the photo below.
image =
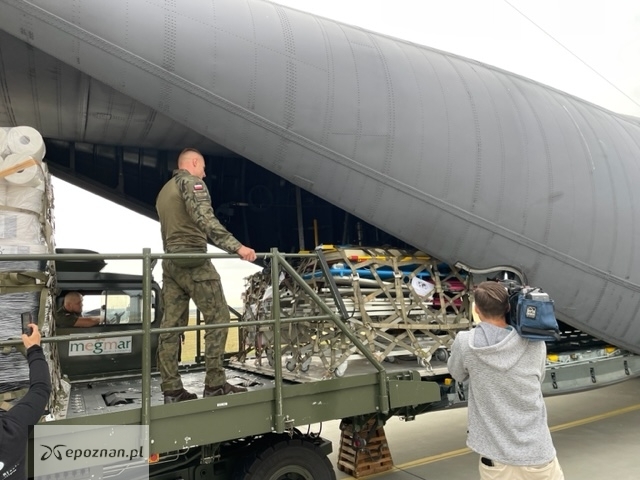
(186, 221)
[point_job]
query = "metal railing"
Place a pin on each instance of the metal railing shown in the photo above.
(148, 261)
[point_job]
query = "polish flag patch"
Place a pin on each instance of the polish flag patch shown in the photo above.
(198, 186)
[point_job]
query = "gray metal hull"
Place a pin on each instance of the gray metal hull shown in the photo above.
(463, 160)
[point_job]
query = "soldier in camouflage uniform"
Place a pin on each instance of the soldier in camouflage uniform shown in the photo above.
(70, 313)
(186, 221)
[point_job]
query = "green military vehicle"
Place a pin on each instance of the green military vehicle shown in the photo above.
(261, 434)
(254, 435)
(120, 300)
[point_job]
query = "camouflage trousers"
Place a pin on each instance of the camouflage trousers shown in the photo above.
(202, 285)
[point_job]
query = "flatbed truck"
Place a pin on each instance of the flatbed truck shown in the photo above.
(262, 434)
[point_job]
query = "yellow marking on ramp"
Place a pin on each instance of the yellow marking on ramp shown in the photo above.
(436, 458)
(595, 418)
(466, 450)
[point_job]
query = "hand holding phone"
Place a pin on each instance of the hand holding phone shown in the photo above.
(27, 320)
(33, 339)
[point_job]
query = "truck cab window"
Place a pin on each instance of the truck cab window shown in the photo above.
(124, 306)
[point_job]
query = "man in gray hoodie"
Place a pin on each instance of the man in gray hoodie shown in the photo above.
(507, 415)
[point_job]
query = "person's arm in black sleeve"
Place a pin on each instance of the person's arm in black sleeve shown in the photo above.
(31, 407)
(14, 424)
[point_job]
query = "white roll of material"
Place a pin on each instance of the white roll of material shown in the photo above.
(27, 141)
(3, 184)
(4, 149)
(25, 198)
(29, 176)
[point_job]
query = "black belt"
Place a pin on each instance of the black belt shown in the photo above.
(487, 461)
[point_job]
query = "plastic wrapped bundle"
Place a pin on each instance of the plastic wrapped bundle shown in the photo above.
(22, 266)
(15, 372)
(25, 229)
(13, 365)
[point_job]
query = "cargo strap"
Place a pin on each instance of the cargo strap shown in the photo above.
(22, 278)
(13, 395)
(12, 282)
(9, 349)
(7, 397)
(20, 166)
(19, 210)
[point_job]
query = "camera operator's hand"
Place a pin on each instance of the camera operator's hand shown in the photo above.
(33, 339)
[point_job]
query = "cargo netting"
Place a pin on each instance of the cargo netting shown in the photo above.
(397, 302)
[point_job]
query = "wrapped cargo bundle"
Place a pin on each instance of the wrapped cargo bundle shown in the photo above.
(25, 228)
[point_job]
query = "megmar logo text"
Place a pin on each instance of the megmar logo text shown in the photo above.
(107, 346)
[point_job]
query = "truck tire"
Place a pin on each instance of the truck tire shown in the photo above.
(290, 459)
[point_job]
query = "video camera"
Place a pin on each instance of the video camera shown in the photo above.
(532, 313)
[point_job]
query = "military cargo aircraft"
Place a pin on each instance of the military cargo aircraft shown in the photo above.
(333, 132)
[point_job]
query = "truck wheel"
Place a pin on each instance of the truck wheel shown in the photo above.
(293, 459)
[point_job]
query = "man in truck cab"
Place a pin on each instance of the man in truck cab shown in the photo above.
(70, 313)
(186, 222)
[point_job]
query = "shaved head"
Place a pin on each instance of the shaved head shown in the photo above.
(73, 296)
(192, 161)
(73, 302)
(186, 155)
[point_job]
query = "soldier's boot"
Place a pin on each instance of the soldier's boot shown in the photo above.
(224, 389)
(174, 396)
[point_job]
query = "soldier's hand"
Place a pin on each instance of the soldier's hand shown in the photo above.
(246, 253)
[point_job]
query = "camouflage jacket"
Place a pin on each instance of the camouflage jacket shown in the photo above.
(65, 319)
(187, 218)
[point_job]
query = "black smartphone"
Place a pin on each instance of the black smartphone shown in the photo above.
(27, 318)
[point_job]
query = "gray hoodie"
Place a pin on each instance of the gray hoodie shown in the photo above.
(507, 414)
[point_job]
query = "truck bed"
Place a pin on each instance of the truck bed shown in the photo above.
(117, 394)
(575, 371)
(118, 401)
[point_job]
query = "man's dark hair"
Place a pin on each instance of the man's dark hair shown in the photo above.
(492, 299)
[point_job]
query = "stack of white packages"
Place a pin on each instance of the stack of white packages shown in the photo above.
(25, 228)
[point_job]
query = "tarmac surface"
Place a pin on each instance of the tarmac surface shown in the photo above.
(596, 434)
